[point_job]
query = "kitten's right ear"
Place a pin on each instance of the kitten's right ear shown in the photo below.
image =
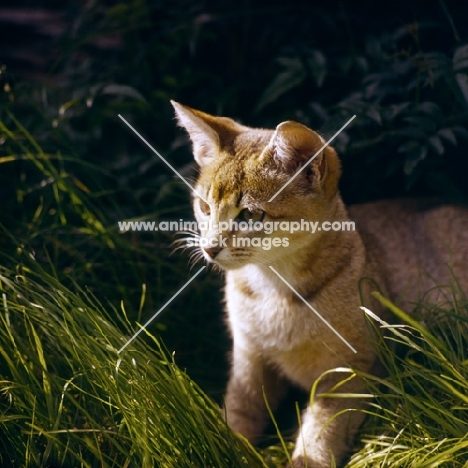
(207, 132)
(205, 140)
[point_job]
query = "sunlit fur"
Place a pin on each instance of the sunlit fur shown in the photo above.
(403, 248)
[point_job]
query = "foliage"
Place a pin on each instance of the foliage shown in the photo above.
(316, 63)
(411, 107)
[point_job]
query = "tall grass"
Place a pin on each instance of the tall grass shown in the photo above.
(68, 398)
(419, 417)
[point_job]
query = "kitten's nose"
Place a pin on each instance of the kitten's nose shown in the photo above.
(212, 251)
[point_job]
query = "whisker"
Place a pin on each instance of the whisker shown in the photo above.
(189, 231)
(182, 244)
(184, 239)
(195, 257)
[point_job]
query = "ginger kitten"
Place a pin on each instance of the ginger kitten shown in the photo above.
(404, 247)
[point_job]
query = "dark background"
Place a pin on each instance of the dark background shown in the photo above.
(69, 69)
(260, 62)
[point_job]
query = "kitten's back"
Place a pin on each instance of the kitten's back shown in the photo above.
(418, 245)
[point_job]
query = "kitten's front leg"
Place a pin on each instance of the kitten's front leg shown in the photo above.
(325, 436)
(246, 412)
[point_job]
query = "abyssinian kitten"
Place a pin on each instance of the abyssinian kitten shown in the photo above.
(404, 247)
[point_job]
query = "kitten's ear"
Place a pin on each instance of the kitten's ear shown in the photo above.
(293, 144)
(209, 134)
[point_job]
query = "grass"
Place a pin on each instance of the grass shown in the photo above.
(420, 414)
(68, 398)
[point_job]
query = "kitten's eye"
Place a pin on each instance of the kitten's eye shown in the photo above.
(206, 209)
(247, 215)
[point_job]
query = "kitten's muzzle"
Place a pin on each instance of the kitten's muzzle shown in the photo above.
(212, 252)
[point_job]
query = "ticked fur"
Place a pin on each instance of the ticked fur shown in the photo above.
(403, 247)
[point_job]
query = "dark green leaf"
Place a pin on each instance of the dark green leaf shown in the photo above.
(424, 123)
(436, 144)
(283, 83)
(414, 158)
(123, 90)
(448, 134)
(460, 58)
(374, 114)
(413, 133)
(462, 81)
(410, 146)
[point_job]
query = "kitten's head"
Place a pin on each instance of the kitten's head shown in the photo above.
(241, 169)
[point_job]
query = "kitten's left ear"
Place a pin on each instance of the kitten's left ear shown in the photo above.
(209, 134)
(293, 144)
